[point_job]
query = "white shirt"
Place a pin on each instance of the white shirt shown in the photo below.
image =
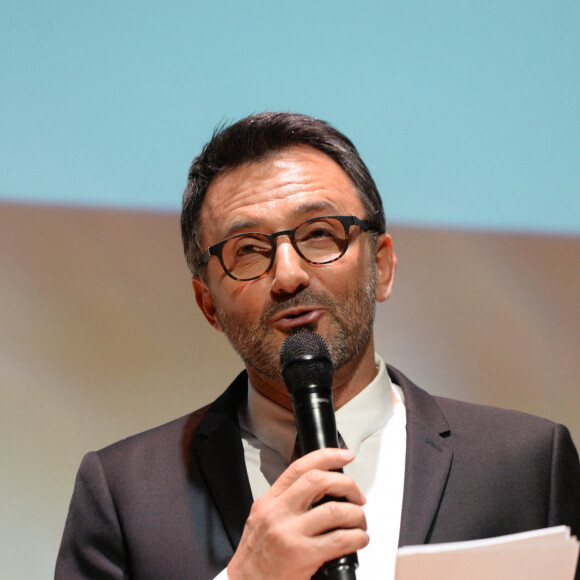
(372, 425)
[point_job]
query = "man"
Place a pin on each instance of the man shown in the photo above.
(284, 232)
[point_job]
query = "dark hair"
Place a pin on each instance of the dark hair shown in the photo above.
(255, 138)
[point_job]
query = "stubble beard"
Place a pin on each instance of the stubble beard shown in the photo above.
(351, 321)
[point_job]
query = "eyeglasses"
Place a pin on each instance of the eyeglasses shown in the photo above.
(319, 240)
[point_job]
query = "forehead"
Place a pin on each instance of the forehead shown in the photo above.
(276, 193)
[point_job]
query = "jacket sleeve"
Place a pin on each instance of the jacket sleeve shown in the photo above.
(92, 543)
(564, 507)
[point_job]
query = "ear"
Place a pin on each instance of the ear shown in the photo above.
(386, 265)
(205, 302)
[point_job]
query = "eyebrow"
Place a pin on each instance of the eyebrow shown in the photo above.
(300, 211)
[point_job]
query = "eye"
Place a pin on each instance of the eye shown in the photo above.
(321, 232)
(318, 231)
(249, 246)
(249, 249)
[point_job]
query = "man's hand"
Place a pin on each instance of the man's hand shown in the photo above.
(284, 538)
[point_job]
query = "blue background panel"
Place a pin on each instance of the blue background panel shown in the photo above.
(467, 113)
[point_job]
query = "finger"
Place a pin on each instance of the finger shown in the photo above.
(313, 485)
(323, 459)
(340, 542)
(330, 516)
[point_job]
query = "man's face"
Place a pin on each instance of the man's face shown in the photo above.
(337, 300)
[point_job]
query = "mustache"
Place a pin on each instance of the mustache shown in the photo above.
(304, 299)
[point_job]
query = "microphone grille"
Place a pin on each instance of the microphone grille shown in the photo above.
(305, 360)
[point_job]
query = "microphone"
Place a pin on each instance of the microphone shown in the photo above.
(307, 371)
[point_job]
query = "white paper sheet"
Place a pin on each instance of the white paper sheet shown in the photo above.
(550, 553)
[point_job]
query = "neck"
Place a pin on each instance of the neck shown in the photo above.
(347, 382)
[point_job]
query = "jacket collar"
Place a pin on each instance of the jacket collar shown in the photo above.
(217, 447)
(427, 464)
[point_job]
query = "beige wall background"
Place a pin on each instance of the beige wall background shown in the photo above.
(100, 338)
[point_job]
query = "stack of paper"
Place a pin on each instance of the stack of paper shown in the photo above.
(545, 554)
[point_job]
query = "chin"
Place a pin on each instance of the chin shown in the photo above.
(306, 328)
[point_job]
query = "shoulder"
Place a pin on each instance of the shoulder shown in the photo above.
(168, 445)
(473, 416)
(470, 421)
(158, 437)
(156, 455)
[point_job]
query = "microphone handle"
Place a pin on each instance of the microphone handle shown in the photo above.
(316, 426)
(340, 569)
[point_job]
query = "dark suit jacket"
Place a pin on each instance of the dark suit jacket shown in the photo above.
(171, 503)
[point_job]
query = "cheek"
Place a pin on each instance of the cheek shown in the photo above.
(346, 272)
(244, 298)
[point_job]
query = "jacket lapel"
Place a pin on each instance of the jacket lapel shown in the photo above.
(428, 461)
(218, 451)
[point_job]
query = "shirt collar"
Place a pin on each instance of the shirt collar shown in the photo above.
(271, 423)
(362, 416)
(369, 411)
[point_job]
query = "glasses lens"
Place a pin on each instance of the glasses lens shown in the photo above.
(247, 256)
(322, 240)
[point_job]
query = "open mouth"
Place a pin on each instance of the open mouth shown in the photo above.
(298, 318)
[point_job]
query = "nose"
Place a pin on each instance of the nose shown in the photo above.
(290, 270)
